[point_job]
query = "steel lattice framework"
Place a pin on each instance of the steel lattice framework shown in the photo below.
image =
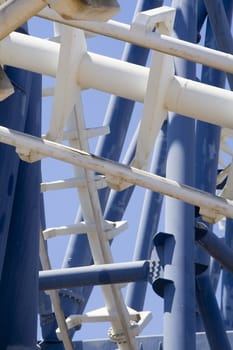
(177, 65)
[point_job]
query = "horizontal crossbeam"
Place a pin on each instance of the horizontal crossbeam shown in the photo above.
(213, 204)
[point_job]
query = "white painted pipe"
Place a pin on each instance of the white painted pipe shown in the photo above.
(17, 12)
(30, 53)
(212, 204)
(95, 71)
(186, 97)
(200, 101)
(152, 40)
(113, 76)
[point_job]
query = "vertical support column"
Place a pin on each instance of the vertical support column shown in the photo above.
(208, 139)
(210, 314)
(149, 221)
(19, 283)
(227, 283)
(13, 115)
(224, 42)
(220, 19)
(179, 299)
(207, 150)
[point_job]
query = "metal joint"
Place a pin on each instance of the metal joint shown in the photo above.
(200, 230)
(119, 337)
(159, 281)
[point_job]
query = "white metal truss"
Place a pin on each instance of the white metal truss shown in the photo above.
(75, 69)
(68, 106)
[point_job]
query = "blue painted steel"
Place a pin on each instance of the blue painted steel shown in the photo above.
(48, 321)
(19, 282)
(227, 282)
(148, 225)
(208, 138)
(211, 317)
(118, 201)
(118, 118)
(220, 15)
(13, 112)
(224, 43)
(179, 299)
(201, 16)
(143, 343)
(214, 246)
(207, 148)
(94, 275)
(215, 272)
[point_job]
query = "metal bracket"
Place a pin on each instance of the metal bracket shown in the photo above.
(159, 280)
(161, 72)
(161, 18)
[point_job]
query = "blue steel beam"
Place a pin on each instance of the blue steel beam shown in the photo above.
(207, 149)
(148, 225)
(214, 246)
(227, 282)
(13, 115)
(220, 15)
(201, 16)
(209, 310)
(19, 282)
(95, 275)
(179, 296)
(143, 343)
(118, 200)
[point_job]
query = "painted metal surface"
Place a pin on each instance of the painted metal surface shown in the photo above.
(95, 275)
(215, 204)
(100, 216)
(19, 298)
(149, 221)
(179, 296)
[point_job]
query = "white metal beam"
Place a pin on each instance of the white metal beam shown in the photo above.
(160, 74)
(66, 87)
(184, 96)
(214, 204)
(98, 239)
(17, 12)
(64, 334)
(155, 41)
